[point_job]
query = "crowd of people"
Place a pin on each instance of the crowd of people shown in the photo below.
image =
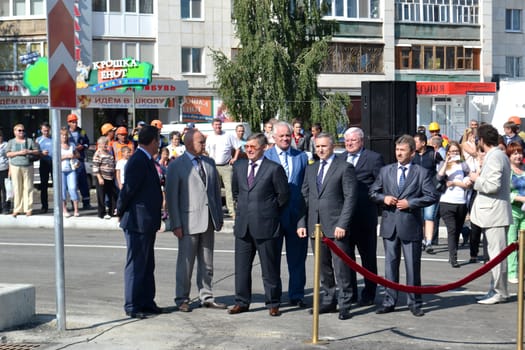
(278, 185)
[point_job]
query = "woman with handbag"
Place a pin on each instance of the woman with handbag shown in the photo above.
(453, 202)
(22, 152)
(69, 163)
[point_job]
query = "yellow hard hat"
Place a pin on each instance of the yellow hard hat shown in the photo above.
(105, 128)
(433, 127)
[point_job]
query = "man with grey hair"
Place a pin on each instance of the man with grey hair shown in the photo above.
(329, 189)
(294, 163)
(363, 228)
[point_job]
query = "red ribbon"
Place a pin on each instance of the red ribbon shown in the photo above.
(420, 289)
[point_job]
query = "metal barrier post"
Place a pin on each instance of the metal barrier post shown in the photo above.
(317, 276)
(521, 255)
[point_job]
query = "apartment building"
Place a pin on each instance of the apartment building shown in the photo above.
(456, 51)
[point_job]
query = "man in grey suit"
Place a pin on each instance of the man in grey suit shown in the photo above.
(330, 192)
(402, 189)
(260, 191)
(491, 209)
(193, 197)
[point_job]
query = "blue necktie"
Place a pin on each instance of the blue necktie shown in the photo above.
(320, 174)
(402, 178)
(285, 164)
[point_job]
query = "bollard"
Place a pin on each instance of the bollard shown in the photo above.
(521, 255)
(317, 276)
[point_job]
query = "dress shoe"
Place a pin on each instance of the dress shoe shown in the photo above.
(298, 302)
(184, 307)
(137, 315)
(43, 211)
(473, 260)
(155, 310)
(429, 249)
(325, 309)
(237, 309)
(213, 305)
(366, 302)
(416, 311)
(385, 309)
(495, 299)
(344, 315)
(274, 311)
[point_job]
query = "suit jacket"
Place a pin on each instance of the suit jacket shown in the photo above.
(140, 200)
(292, 210)
(418, 190)
(491, 207)
(334, 204)
(190, 202)
(258, 209)
(366, 171)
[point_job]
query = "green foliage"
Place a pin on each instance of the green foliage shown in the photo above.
(282, 46)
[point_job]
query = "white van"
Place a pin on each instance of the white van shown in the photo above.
(205, 128)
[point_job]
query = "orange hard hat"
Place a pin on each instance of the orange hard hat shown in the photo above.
(72, 118)
(107, 127)
(516, 120)
(156, 123)
(122, 130)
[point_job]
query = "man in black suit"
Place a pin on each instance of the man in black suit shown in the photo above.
(260, 191)
(403, 189)
(139, 210)
(363, 227)
(330, 192)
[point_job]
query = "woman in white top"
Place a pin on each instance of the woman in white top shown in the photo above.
(453, 202)
(175, 147)
(68, 157)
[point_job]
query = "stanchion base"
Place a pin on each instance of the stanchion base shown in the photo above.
(319, 342)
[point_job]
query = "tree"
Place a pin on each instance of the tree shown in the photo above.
(283, 44)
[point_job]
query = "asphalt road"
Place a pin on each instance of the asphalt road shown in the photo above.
(94, 263)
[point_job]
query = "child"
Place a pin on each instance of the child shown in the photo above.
(121, 164)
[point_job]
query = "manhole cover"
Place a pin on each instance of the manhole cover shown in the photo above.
(18, 346)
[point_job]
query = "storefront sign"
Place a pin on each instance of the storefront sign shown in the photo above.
(453, 88)
(197, 109)
(24, 102)
(107, 101)
(120, 73)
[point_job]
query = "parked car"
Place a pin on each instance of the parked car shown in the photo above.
(89, 171)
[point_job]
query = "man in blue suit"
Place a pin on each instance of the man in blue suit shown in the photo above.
(403, 189)
(294, 163)
(363, 228)
(139, 210)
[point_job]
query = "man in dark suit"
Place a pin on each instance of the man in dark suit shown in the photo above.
(260, 191)
(330, 192)
(363, 227)
(193, 197)
(139, 209)
(403, 189)
(294, 163)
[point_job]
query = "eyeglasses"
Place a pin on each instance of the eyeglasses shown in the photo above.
(20, 130)
(251, 147)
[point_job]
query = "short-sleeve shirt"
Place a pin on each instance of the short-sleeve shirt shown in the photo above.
(220, 147)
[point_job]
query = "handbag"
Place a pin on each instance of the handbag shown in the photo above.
(8, 189)
(74, 163)
(32, 157)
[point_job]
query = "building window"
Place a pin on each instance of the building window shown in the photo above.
(10, 8)
(437, 57)
(352, 8)
(513, 20)
(131, 6)
(353, 58)
(116, 49)
(11, 52)
(437, 11)
(513, 66)
(191, 9)
(191, 60)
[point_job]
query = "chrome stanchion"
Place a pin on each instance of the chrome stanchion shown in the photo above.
(521, 254)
